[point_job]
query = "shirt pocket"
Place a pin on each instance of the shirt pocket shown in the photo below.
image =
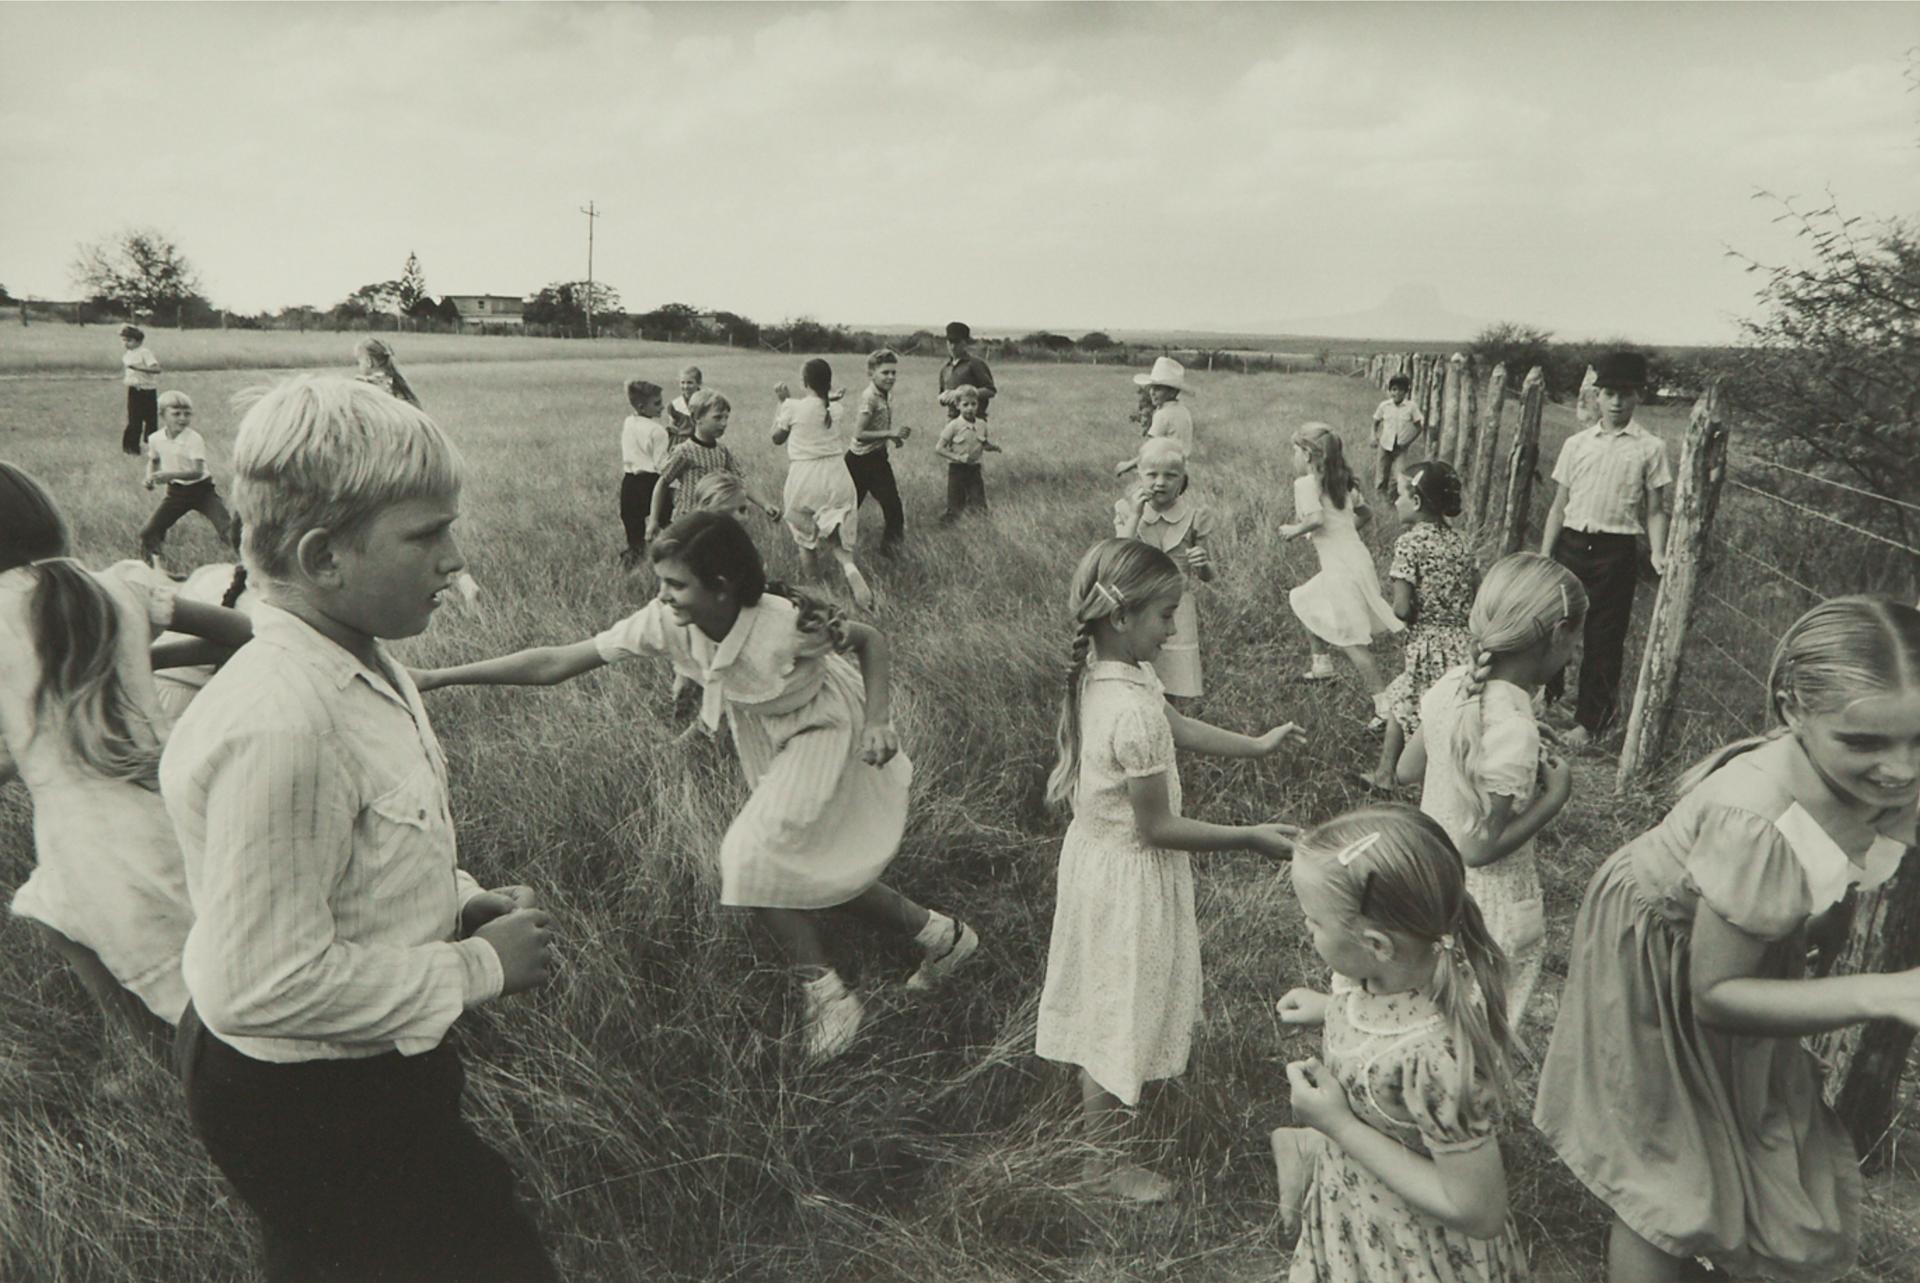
(408, 836)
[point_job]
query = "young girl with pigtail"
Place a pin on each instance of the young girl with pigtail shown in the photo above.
(822, 506)
(80, 726)
(377, 368)
(811, 727)
(1432, 580)
(1675, 1086)
(1397, 1172)
(1122, 992)
(1478, 751)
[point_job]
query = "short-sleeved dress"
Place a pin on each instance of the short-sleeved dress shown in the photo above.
(1709, 1143)
(107, 871)
(819, 502)
(1341, 605)
(1394, 1057)
(1186, 523)
(1434, 559)
(1122, 993)
(1505, 763)
(821, 825)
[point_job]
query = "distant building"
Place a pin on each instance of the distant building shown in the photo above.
(490, 309)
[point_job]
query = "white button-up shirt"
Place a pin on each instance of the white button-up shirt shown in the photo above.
(310, 799)
(1611, 475)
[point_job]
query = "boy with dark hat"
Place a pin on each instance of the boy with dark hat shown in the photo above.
(1612, 483)
(963, 369)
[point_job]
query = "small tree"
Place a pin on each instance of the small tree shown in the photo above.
(563, 305)
(379, 296)
(671, 320)
(411, 289)
(1096, 341)
(1517, 346)
(140, 270)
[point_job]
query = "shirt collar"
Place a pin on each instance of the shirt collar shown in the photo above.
(1114, 670)
(1633, 429)
(1174, 512)
(286, 630)
(720, 656)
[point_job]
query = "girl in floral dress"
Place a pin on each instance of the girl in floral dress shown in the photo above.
(1397, 1175)
(1432, 579)
(1161, 514)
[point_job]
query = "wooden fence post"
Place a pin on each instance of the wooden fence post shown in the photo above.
(1522, 459)
(1864, 1062)
(1480, 489)
(1451, 372)
(1696, 497)
(1469, 416)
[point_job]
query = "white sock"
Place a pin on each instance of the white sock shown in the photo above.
(825, 987)
(939, 933)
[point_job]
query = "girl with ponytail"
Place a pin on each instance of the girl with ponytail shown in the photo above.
(822, 506)
(1675, 1086)
(1397, 1172)
(1122, 992)
(1487, 781)
(79, 724)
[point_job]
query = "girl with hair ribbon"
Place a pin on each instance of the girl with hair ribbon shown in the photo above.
(822, 506)
(1397, 1174)
(1122, 992)
(1675, 1086)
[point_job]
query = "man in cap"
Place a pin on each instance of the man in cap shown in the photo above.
(964, 369)
(1612, 482)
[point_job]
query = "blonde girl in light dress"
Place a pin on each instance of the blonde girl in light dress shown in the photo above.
(812, 731)
(1676, 1086)
(81, 727)
(1161, 513)
(1122, 991)
(821, 504)
(1486, 780)
(1341, 606)
(1396, 1175)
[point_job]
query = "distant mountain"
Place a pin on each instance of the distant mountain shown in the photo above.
(1412, 312)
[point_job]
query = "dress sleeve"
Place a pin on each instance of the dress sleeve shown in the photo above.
(1406, 558)
(1509, 753)
(1448, 1121)
(1142, 740)
(153, 590)
(1306, 497)
(1203, 524)
(1747, 872)
(644, 632)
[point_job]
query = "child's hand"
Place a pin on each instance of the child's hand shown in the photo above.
(1198, 558)
(522, 940)
(773, 513)
(781, 392)
(902, 435)
(878, 744)
(1319, 1100)
(653, 529)
(1556, 776)
(994, 448)
(837, 394)
(1899, 997)
(1277, 738)
(1302, 1007)
(1275, 841)
(497, 903)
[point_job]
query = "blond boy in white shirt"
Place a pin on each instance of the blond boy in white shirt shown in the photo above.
(177, 459)
(336, 941)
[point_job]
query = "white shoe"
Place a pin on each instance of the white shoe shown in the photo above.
(834, 1013)
(1322, 670)
(938, 966)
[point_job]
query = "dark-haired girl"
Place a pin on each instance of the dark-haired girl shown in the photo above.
(811, 726)
(80, 727)
(822, 506)
(1431, 583)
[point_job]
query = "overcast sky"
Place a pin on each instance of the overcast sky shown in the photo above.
(1069, 166)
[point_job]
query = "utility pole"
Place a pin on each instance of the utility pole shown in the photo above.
(591, 214)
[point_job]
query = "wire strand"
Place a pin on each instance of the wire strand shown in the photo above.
(1770, 568)
(1827, 517)
(1827, 481)
(1733, 659)
(1764, 628)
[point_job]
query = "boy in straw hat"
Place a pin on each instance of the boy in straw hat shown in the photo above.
(1164, 385)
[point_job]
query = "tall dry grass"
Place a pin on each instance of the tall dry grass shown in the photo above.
(651, 1096)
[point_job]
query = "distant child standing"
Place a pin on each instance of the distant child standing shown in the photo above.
(812, 729)
(698, 455)
(1341, 606)
(1122, 992)
(1486, 780)
(1397, 1173)
(821, 505)
(336, 941)
(1676, 1087)
(1611, 483)
(1161, 514)
(867, 459)
(1432, 579)
(962, 443)
(177, 459)
(644, 443)
(377, 368)
(140, 371)
(1397, 427)
(80, 726)
(680, 413)
(1169, 418)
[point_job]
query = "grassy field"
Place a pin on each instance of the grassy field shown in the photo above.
(651, 1096)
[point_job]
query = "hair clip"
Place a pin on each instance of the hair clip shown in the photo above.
(1113, 599)
(1356, 848)
(1445, 943)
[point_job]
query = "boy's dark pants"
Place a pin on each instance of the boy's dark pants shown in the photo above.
(873, 475)
(966, 488)
(195, 496)
(1607, 565)
(143, 418)
(361, 1171)
(636, 495)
